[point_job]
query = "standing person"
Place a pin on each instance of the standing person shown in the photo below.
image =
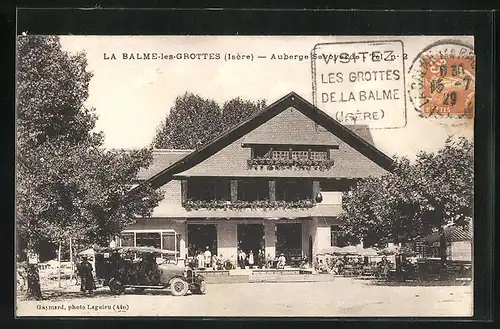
(242, 258)
(112, 243)
(208, 257)
(200, 260)
(251, 260)
(85, 274)
(261, 259)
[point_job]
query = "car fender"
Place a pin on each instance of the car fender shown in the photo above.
(176, 276)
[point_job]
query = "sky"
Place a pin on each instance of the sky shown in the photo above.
(133, 96)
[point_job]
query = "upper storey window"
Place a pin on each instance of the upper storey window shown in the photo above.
(293, 156)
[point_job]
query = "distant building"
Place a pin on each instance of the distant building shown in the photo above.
(458, 244)
(273, 183)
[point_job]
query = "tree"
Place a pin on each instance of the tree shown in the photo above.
(238, 110)
(68, 185)
(415, 198)
(194, 121)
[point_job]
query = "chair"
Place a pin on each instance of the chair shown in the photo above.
(348, 270)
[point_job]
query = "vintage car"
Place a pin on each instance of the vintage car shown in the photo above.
(143, 268)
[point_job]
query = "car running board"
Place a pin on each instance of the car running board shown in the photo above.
(146, 287)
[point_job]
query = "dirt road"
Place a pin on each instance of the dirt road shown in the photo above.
(340, 298)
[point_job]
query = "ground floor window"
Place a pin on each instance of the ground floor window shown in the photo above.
(201, 236)
(164, 240)
(127, 239)
(148, 240)
(335, 232)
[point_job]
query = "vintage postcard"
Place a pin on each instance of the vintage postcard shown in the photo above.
(252, 176)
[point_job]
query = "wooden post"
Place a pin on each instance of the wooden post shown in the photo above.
(184, 190)
(71, 260)
(272, 190)
(59, 260)
(234, 190)
(315, 189)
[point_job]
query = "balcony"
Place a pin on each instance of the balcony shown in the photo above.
(252, 205)
(297, 164)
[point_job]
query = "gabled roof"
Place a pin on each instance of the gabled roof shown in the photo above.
(290, 100)
(162, 158)
(451, 234)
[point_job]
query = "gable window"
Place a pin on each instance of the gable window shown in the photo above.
(281, 155)
(319, 155)
(300, 155)
(299, 152)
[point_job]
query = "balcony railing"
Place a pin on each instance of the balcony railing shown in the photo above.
(297, 164)
(256, 204)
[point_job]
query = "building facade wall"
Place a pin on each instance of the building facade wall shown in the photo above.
(461, 250)
(227, 239)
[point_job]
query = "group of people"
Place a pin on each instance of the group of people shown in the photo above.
(251, 260)
(336, 265)
(206, 260)
(261, 261)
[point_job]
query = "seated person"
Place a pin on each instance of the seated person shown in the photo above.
(214, 261)
(269, 261)
(322, 267)
(281, 261)
(219, 262)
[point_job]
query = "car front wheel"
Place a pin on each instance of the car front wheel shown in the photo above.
(202, 286)
(116, 287)
(179, 287)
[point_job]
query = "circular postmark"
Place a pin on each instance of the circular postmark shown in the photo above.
(442, 81)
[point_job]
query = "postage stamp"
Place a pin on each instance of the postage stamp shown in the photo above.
(443, 81)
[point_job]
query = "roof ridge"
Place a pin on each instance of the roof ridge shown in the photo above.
(173, 150)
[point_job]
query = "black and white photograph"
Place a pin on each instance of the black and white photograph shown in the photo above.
(244, 176)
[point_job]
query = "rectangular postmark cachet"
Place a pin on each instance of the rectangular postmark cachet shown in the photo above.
(444, 81)
(361, 83)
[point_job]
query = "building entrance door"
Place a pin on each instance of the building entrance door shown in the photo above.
(251, 238)
(289, 242)
(201, 236)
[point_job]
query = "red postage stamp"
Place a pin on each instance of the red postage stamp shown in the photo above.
(446, 76)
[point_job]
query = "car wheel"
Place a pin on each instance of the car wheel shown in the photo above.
(116, 287)
(179, 287)
(202, 286)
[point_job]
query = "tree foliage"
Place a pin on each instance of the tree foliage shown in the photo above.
(415, 198)
(238, 110)
(194, 121)
(68, 185)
